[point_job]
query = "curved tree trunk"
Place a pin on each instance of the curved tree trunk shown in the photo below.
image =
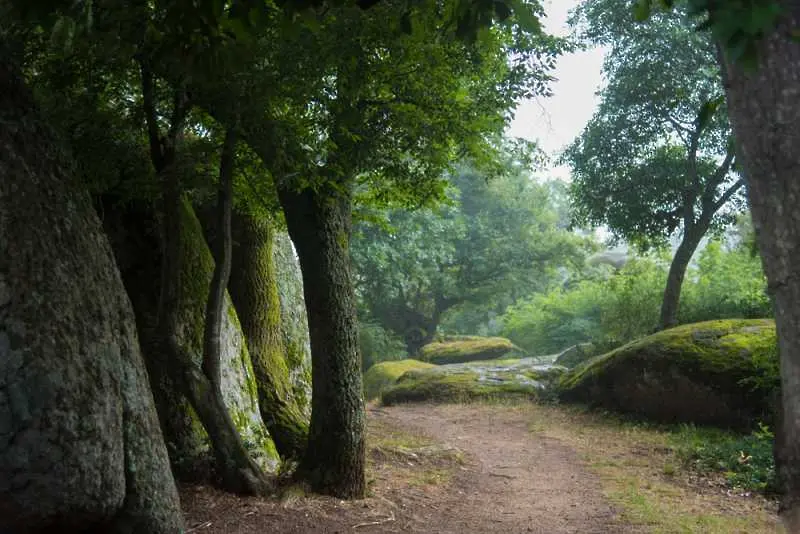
(254, 292)
(80, 444)
(239, 472)
(764, 113)
(677, 272)
(319, 225)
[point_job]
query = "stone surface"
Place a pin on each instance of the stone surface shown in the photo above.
(716, 372)
(294, 318)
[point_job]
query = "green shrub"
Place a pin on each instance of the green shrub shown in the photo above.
(746, 461)
(378, 345)
(621, 306)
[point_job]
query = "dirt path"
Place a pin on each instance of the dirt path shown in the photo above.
(508, 480)
(514, 481)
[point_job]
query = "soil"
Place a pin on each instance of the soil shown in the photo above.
(434, 469)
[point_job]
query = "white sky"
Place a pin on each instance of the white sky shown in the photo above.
(554, 122)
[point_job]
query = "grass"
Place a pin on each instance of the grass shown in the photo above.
(647, 472)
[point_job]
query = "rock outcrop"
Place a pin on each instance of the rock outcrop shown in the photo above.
(717, 372)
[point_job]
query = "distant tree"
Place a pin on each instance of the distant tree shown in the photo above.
(493, 242)
(657, 157)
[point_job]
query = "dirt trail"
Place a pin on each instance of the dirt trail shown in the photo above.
(515, 481)
(510, 481)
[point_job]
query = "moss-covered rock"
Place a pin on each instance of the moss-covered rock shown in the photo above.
(294, 321)
(717, 372)
(385, 374)
(238, 383)
(462, 349)
(494, 379)
(576, 355)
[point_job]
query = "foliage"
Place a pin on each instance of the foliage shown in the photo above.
(607, 311)
(657, 157)
(378, 345)
(726, 283)
(613, 308)
(746, 461)
(490, 243)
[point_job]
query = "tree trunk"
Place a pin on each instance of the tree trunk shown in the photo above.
(80, 444)
(765, 113)
(677, 271)
(222, 267)
(319, 225)
(240, 474)
(254, 292)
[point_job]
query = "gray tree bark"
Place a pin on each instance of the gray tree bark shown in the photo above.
(765, 112)
(80, 444)
(319, 224)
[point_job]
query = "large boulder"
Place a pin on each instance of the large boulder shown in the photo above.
(294, 321)
(133, 235)
(717, 372)
(525, 378)
(460, 349)
(576, 355)
(385, 374)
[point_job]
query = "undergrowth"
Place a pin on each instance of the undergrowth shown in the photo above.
(746, 461)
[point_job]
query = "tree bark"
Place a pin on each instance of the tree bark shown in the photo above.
(222, 266)
(764, 114)
(80, 444)
(254, 292)
(239, 472)
(319, 225)
(670, 303)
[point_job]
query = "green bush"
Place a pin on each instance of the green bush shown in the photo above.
(746, 461)
(615, 308)
(378, 345)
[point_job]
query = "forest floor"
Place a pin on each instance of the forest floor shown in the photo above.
(484, 468)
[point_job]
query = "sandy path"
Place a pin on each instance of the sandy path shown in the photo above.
(515, 481)
(512, 481)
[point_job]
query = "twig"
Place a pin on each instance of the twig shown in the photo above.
(198, 527)
(376, 523)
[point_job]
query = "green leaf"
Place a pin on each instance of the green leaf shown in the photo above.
(526, 17)
(641, 10)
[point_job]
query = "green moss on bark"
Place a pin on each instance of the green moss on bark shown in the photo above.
(254, 290)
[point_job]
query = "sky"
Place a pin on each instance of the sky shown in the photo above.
(555, 121)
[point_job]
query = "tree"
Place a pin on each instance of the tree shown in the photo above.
(760, 59)
(385, 108)
(657, 156)
(341, 98)
(81, 447)
(493, 242)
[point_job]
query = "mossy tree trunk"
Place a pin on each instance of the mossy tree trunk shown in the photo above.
(319, 224)
(764, 114)
(239, 472)
(254, 292)
(80, 445)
